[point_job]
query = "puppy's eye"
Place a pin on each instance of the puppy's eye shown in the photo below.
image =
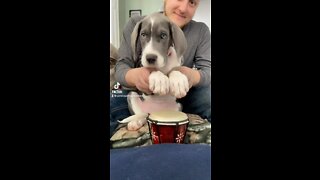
(163, 35)
(143, 34)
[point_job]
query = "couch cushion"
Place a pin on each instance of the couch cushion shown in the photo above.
(198, 132)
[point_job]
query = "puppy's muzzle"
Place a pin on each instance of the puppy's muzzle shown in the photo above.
(151, 58)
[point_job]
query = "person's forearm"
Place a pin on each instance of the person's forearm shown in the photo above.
(195, 77)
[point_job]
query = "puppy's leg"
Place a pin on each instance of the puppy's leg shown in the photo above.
(179, 85)
(135, 122)
(134, 103)
(179, 106)
(158, 83)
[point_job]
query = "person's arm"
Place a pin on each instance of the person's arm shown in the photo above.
(203, 57)
(125, 60)
(201, 76)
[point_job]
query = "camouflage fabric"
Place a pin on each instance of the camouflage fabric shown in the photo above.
(198, 132)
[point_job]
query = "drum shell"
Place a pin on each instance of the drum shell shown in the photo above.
(168, 132)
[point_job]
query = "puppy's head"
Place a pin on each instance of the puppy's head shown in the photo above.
(156, 34)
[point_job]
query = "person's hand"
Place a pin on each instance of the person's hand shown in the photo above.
(139, 77)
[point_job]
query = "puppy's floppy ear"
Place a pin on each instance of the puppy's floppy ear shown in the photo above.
(134, 38)
(179, 40)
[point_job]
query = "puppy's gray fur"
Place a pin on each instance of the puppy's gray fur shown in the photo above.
(165, 34)
(163, 44)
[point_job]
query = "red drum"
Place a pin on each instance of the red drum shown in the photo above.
(167, 126)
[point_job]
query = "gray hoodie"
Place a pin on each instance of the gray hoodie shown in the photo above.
(198, 53)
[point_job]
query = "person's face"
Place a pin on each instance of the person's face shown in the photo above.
(180, 12)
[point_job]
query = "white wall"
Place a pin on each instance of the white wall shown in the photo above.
(203, 13)
(111, 25)
(114, 23)
(146, 6)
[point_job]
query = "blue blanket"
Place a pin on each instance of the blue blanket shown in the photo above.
(161, 162)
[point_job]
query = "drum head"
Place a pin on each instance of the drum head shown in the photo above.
(168, 117)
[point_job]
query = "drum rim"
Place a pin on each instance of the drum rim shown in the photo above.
(172, 123)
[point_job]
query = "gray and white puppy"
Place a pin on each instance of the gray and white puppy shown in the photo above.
(113, 60)
(163, 44)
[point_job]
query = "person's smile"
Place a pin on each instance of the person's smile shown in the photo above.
(180, 16)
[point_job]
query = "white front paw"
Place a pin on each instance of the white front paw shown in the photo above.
(179, 85)
(158, 83)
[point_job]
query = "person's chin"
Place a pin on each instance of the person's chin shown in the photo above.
(179, 22)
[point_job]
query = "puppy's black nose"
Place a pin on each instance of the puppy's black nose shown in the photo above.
(151, 58)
